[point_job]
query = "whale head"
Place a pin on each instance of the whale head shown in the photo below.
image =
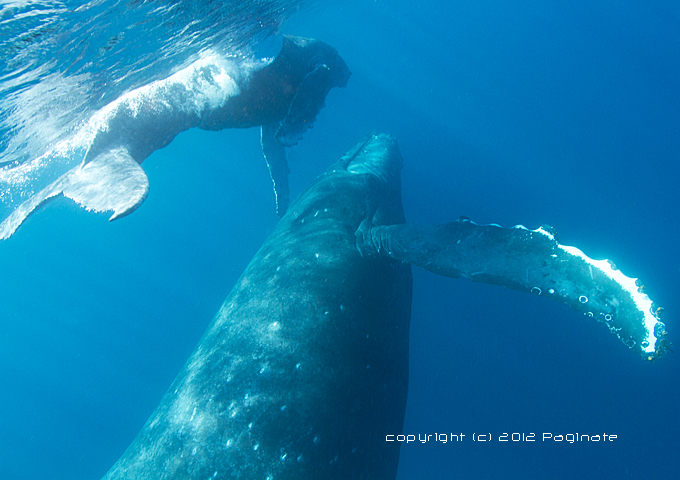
(378, 156)
(320, 53)
(364, 186)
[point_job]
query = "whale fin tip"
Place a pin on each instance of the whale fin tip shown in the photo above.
(275, 155)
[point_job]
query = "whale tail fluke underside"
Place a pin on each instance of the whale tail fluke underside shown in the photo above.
(113, 181)
(531, 261)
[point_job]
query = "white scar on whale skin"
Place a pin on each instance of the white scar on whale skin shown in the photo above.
(207, 83)
(210, 81)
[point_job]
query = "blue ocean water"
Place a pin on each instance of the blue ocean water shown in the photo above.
(506, 113)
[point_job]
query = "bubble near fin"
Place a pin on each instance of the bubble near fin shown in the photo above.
(627, 296)
(531, 261)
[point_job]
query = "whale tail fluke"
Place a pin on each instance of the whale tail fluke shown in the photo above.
(531, 261)
(113, 181)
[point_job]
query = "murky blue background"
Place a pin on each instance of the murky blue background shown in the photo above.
(530, 112)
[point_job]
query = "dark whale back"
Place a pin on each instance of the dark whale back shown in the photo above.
(304, 370)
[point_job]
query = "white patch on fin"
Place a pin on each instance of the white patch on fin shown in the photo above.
(640, 299)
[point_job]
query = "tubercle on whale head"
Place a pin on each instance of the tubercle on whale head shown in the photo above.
(365, 185)
(378, 158)
(378, 155)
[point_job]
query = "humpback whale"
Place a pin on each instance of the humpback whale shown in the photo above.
(282, 96)
(303, 372)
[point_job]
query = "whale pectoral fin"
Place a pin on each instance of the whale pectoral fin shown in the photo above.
(306, 104)
(531, 261)
(275, 155)
(111, 182)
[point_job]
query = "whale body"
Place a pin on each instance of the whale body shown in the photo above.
(283, 96)
(303, 373)
(304, 370)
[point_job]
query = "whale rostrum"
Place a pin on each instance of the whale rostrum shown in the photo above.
(304, 370)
